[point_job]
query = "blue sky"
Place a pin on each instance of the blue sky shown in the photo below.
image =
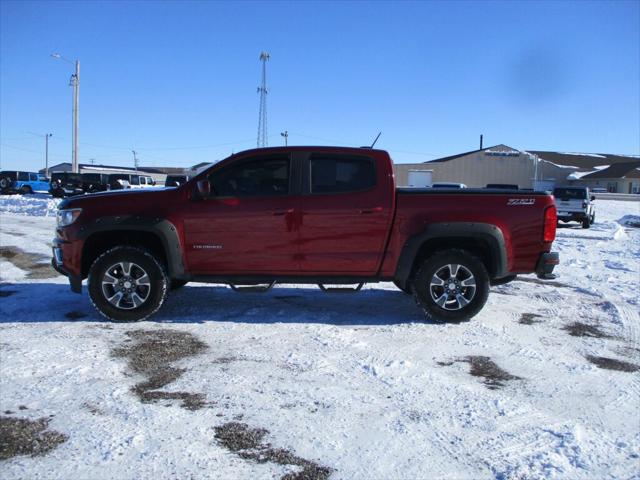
(176, 81)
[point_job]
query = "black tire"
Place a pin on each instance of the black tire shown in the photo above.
(26, 190)
(5, 183)
(408, 290)
(471, 270)
(586, 223)
(176, 284)
(153, 294)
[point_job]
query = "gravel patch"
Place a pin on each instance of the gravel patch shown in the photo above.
(150, 354)
(248, 443)
(19, 436)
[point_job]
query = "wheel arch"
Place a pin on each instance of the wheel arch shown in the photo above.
(486, 241)
(158, 236)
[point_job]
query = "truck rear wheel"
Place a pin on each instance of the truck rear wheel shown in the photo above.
(127, 284)
(451, 286)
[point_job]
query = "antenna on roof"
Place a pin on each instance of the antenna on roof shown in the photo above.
(374, 142)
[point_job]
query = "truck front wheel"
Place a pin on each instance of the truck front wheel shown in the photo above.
(451, 286)
(127, 284)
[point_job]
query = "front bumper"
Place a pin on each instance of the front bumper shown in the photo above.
(546, 264)
(57, 263)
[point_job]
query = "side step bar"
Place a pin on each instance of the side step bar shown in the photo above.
(252, 288)
(341, 289)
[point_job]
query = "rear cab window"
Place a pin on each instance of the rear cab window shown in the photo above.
(570, 193)
(330, 173)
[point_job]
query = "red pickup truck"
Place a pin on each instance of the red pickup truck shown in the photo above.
(318, 215)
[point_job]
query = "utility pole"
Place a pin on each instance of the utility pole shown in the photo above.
(262, 113)
(285, 134)
(46, 154)
(75, 83)
(135, 160)
(46, 150)
(76, 113)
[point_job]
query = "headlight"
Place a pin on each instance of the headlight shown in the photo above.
(67, 217)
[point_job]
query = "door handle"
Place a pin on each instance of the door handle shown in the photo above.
(365, 211)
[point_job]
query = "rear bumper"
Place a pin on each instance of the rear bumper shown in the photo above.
(572, 216)
(546, 264)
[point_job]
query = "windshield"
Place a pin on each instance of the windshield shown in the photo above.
(570, 193)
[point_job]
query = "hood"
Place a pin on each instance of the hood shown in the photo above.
(129, 199)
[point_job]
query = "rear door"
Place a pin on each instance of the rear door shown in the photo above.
(248, 224)
(346, 213)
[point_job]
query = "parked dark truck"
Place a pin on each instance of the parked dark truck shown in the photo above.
(312, 215)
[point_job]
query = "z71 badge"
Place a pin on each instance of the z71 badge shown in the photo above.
(520, 201)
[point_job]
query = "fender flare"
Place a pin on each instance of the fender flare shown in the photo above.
(489, 234)
(161, 228)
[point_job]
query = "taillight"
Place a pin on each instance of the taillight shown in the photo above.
(584, 204)
(550, 223)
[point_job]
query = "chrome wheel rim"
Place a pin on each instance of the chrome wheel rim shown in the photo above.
(126, 285)
(452, 287)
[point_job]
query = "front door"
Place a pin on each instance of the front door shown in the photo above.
(247, 226)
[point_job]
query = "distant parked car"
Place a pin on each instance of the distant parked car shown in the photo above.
(146, 181)
(94, 182)
(176, 180)
(599, 190)
(448, 185)
(119, 181)
(575, 204)
(502, 186)
(22, 182)
(67, 184)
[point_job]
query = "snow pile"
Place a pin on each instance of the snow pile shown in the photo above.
(630, 221)
(38, 205)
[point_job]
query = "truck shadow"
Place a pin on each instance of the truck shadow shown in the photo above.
(54, 302)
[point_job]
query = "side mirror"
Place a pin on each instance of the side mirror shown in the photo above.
(593, 197)
(204, 188)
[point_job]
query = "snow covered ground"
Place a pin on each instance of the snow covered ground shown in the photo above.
(226, 385)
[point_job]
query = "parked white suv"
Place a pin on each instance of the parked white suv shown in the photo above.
(575, 204)
(142, 181)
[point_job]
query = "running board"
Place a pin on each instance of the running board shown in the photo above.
(251, 288)
(341, 289)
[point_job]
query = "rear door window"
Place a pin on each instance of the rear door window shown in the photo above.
(135, 180)
(23, 176)
(340, 173)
